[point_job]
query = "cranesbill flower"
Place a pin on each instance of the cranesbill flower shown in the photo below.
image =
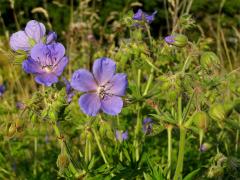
(103, 89)
(2, 90)
(142, 16)
(46, 62)
(147, 125)
(33, 33)
(121, 136)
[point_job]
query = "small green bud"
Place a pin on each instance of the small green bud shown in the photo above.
(209, 60)
(217, 112)
(205, 147)
(200, 119)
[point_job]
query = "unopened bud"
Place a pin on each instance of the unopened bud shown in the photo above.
(217, 112)
(209, 60)
(178, 40)
(200, 119)
(205, 147)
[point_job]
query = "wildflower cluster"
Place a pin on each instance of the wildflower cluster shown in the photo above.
(127, 103)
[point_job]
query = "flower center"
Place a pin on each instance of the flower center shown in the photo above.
(48, 69)
(101, 92)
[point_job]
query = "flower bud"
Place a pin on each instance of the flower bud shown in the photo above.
(62, 161)
(205, 147)
(200, 119)
(178, 40)
(217, 112)
(209, 60)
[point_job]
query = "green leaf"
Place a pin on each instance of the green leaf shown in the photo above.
(191, 175)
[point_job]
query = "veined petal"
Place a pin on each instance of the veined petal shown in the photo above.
(138, 15)
(59, 67)
(118, 84)
(103, 70)
(46, 79)
(57, 51)
(35, 30)
(150, 18)
(111, 105)
(39, 53)
(19, 41)
(31, 66)
(83, 80)
(90, 104)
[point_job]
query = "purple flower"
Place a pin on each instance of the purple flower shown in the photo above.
(169, 39)
(46, 62)
(142, 16)
(33, 31)
(121, 136)
(2, 89)
(103, 89)
(69, 90)
(147, 125)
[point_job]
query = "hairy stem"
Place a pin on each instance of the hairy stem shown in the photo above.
(179, 168)
(99, 146)
(169, 132)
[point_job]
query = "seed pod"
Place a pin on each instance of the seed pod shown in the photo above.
(62, 161)
(209, 60)
(200, 119)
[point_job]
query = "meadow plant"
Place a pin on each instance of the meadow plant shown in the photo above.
(178, 106)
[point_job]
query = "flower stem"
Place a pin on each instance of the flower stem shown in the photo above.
(179, 168)
(63, 144)
(169, 132)
(100, 147)
(137, 132)
(150, 79)
(86, 150)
